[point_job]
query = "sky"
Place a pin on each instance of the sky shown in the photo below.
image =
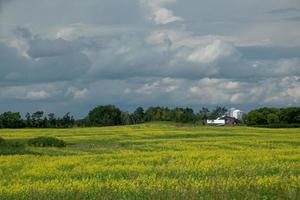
(71, 55)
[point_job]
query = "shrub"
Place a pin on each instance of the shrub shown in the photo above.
(46, 142)
(11, 147)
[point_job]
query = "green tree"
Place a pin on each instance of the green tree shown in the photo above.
(138, 116)
(107, 115)
(218, 112)
(11, 120)
(256, 118)
(185, 115)
(154, 114)
(126, 118)
(290, 115)
(203, 114)
(67, 121)
(28, 120)
(272, 118)
(52, 121)
(260, 116)
(37, 119)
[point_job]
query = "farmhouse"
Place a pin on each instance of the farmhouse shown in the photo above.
(223, 121)
(216, 122)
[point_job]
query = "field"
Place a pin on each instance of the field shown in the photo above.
(155, 161)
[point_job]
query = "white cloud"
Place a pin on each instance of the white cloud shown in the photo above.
(217, 50)
(65, 33)
(158, 13)
(276, 91)
(215, 91)
(36, 95)
(164, 85)
(294, 92)
(77, 93)
(164, 16)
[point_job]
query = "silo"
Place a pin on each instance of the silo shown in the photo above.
(238, 114)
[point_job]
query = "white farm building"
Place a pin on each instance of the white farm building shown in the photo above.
(216, 122)
(238, 114)
(233, 116)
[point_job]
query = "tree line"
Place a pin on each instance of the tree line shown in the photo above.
(110, 115)
(35, 120)
(274, 117)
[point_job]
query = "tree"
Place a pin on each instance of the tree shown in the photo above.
(37, 119)
(290, 115)
(218, 112)
(28, 120)
(45, 123)
(260, 116)
(153, 114)
(107, 115)
(126, 118)
(52, 121)
(11, 120)
(138, 116)
(185, 115)
(67, 121)
(203, 114)
(256, 118)
(272, 118)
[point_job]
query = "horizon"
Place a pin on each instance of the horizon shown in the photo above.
(145, 108)
(70, 56)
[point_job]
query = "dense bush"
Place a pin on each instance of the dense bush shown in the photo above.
(46, 142)
(11, 147)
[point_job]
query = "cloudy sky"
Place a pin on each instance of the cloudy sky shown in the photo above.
(70, 55)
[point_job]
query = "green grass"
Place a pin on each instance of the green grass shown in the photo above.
(154, 161)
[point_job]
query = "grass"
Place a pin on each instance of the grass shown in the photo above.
(154, 161)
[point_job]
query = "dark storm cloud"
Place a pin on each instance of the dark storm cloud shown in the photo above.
(295, 19)
(56, 12)
(23, 33)
(72, 54)
(2, 2)
(283, 10)
(269, 52)
(16, 69)
(49, 48)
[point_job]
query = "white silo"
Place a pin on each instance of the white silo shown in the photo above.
(238, 114)
(230, 112)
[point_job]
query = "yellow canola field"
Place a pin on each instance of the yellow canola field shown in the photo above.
(155, 161)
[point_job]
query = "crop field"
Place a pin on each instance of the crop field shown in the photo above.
(154, 161)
